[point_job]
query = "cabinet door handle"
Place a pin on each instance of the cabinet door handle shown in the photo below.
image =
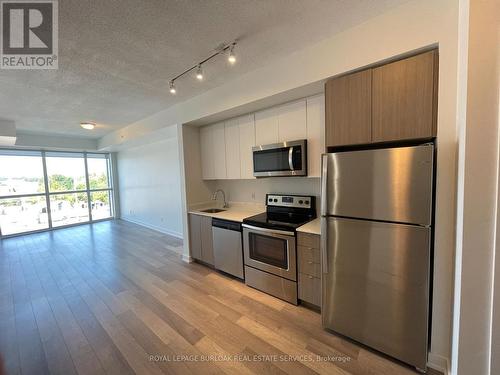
(309, 262)
(309, 276)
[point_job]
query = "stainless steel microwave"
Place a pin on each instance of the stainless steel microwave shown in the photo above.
(280, 159)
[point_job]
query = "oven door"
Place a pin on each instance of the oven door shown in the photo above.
(271, 251)
(280, 159)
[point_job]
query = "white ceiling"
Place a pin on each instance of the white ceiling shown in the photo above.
(117, 56)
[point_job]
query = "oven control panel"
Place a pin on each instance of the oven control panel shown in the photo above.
(289, 201)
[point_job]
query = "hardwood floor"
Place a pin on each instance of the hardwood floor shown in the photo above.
(115, 298)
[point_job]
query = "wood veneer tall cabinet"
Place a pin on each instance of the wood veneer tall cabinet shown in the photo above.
(348, 109)
(391, 102)
(404, 98)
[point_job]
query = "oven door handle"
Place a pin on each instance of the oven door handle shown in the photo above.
(266, 230)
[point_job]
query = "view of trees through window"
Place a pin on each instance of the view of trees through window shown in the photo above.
(76, 187)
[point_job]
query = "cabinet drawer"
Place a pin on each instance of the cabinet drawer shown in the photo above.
(308, 240)
(308, 267)
(309, 254)
(310, 289)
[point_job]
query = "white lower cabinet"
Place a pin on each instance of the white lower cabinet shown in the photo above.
(200, 238)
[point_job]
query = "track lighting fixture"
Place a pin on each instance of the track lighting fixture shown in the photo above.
(199, 73)
(222, 49)
(172, 87)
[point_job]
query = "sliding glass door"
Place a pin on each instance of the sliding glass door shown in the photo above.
(42, 190)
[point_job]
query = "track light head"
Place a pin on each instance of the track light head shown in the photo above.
(173, 91)
(231, 58)
(199, 73)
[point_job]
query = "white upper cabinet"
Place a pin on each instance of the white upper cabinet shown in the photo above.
(315, 134)
(292, 122)
(247, 141)
(226, 148)
(266, 127)
(207, 153)
(212, 149)
(232, 137)
(219, 147)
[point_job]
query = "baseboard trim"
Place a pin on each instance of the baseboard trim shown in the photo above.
(154, 227)
(439, 363)
(187, 258)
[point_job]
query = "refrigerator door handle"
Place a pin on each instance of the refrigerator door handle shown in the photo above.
(324, 184)
(324, 243)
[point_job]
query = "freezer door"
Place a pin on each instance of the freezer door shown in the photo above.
(375, 285)
(393, 184)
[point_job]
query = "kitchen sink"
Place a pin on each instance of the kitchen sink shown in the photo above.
(213, 210)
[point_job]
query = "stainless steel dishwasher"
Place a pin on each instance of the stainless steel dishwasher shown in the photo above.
(228, 251)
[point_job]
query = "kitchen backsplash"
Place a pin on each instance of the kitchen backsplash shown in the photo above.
(255, 190)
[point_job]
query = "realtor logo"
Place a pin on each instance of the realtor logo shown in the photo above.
(29, 34)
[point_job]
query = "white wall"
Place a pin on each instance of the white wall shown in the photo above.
(149, 186)
(55, 142)
(478, 200)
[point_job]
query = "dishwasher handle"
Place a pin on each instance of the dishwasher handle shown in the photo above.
(226, 224)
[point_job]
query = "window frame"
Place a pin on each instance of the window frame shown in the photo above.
(47, 194)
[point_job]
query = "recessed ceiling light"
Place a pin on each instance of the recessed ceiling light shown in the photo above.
(87, 125)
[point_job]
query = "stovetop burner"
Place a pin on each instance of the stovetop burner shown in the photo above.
(285, 212)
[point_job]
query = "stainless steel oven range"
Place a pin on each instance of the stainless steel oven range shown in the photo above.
(269, 244)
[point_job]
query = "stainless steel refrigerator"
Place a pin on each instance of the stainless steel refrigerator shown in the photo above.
(376, 248)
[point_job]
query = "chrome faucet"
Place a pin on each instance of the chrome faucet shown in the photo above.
(214, 197)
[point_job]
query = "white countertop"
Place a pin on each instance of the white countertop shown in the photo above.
(235, 212)
(312, 227)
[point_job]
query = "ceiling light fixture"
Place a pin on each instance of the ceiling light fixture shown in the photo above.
(87, 125)
(172, 88)
(199, 73)
(222, 49)
(231, 58)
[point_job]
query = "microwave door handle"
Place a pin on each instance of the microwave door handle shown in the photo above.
(290, 158)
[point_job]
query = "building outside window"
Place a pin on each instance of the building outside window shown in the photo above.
(41, 190)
